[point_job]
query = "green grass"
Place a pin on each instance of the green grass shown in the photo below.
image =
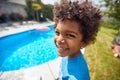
(101, 61)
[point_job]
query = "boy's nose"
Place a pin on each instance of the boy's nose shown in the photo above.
(61, 39)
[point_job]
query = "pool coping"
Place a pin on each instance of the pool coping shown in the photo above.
(17, 28)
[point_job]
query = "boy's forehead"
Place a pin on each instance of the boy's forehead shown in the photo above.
(68, 21)
(68, 26)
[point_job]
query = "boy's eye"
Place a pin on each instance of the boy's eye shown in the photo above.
(57, 33)
(70, 35)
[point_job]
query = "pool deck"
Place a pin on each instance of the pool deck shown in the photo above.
(16, 27)
(46, 71)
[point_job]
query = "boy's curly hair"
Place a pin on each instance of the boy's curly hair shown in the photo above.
(85, 13)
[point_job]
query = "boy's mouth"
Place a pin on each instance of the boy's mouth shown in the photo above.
(62, 49)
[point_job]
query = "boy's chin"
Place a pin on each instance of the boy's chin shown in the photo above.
(61, 55)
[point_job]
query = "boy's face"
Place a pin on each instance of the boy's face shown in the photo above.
(68, 38)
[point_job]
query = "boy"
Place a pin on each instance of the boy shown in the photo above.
(76, 26)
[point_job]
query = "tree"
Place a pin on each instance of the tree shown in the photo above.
(39, 14)
(48, 11)
(113, 8)
(29, 9)
(33, 9)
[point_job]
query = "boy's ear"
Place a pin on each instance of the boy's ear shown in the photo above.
(84, 44)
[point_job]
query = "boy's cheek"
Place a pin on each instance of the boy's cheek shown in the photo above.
(55, 39)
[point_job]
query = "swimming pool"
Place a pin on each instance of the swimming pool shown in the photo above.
(27, 49)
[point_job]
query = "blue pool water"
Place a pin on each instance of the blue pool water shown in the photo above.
(27, 49)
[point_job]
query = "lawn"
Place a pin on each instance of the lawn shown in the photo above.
(102, 64)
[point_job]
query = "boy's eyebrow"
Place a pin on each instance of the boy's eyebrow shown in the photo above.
(72, 32)
(68, 31)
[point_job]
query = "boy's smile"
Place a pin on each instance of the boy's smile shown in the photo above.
(68, 38)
